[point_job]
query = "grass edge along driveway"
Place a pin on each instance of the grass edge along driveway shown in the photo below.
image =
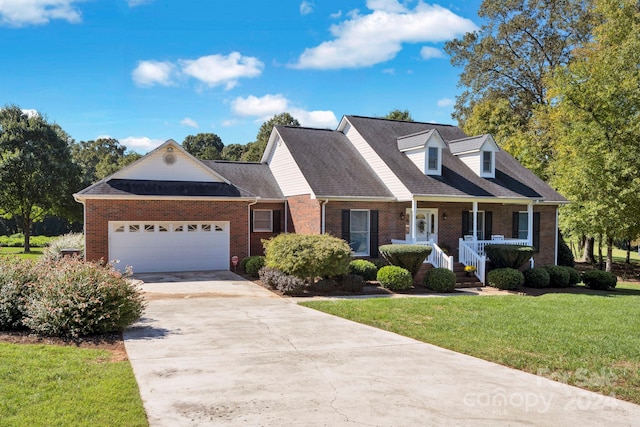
(590, 341)
(51, 385)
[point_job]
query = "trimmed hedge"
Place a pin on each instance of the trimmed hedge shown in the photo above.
(395, 278)
(537, 277)
(351, 283)
(559, 276)
(598, 279)
(508, 256)
(308, 256)
(440, 280)
(253, 265)
(505, 278)
(366, 269)
(409, 257)
(565, 256)
(574, 276)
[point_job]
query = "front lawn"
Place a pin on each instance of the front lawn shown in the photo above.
(590, 340)
(48, 385)
(35, 252)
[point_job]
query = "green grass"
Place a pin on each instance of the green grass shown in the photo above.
(46, 385)
(35, 252)
(588, 340)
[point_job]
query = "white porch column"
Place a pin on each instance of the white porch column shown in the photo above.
(475, 220)
(414, 212)
(530, 224)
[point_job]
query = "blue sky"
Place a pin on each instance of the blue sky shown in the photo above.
(144, 71)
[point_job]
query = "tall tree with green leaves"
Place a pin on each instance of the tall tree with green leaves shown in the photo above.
(233, 152)
(36, 170)
(403, 115)
(204, 146)
(100, 158)
(254, 150)
(595, 117)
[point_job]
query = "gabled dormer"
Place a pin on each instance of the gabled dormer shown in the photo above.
(424, 149)
(478, 153)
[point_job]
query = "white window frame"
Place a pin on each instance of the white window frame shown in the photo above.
(525, 215)
(438, 157)
(491, 161)
(367, 231)
(262, 221)
(480, 231)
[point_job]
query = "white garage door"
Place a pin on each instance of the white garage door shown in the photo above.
(169, 246)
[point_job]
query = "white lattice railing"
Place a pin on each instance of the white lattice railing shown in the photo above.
(438, 258)
(467, 255)
(478, 245)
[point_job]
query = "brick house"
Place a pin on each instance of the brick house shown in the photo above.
(371, 181)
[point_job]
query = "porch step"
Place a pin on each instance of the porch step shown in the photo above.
(462, 280)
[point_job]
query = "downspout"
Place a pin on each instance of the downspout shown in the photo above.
(414, 212)
(286, 216)
(322, 225)
(557, 233)
(249, 226)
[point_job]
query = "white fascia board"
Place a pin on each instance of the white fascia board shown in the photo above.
(493, 200)
(272, 140)
(356, 198)
(490, 142)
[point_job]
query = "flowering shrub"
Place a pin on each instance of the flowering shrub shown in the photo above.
(469, 269)
(53, 252)
(15, 275)
(71, 297)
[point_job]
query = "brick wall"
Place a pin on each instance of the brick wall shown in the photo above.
(100, 212)
(304, 215)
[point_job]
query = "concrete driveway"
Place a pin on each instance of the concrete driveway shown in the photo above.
(214, 349)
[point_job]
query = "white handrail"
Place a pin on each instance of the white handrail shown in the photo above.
(439, 259)
(468, 256)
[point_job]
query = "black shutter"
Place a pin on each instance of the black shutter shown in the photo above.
(346, 225)
(251, 221)
(276, 222)
(536, 231)
(488, 225)
(373, 234)
(466, 230)
(514, 225)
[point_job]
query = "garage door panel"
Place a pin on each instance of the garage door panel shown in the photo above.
(178, 247)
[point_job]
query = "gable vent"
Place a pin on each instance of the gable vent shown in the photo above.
(169, 159)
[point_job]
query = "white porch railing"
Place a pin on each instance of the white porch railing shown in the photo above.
(467, 255)
(437, 257)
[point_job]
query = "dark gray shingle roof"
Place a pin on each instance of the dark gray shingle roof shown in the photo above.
(136, 187)
(512, 179)
(414, 140)
(251, 177)
(330, 163)
(465, 145)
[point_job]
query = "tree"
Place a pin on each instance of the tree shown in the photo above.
(254, 150)
(100, 158)
(396, 114)
(595, 117)
(36, 170)
(204, 146)
(233, 152)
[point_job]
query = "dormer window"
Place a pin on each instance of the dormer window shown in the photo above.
(433, 159)
(487, 162)
(424, 149)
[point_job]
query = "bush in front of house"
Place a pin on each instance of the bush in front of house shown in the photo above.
(325, 286)
(395, 278)
(53, 252)
(253, 264)
(537, 277)
(574, 275)
(558, 276)
(600, 280)
(508, 256)
(409, 257)
(15, 275)
(366, 269)
(440, 280)
(282, 282)
(505, 278)
(351, 283)
(308, 256)
(565, 256)
(72, 298)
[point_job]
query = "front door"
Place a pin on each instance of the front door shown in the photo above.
(426, 225)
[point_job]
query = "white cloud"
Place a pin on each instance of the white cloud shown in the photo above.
(217, 70)
(365, 40)
(149, 73)
(141, 143)
(229, 122)
(390, 71)
(135, 3)
(19, 13)
(187, 121)
(428, 52)
(445, 102)
(306, 7)
(265, 107)
(29, 112)
(336, 15)
(103, 137)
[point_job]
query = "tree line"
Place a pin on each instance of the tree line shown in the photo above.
(557, 82)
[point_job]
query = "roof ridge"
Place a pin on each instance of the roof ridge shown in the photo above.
(468, 138)
(401, 121)
(306, 127)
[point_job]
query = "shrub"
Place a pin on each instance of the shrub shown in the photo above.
(17, 241)
(253, 265)
(72, 297)
(351, 283)
(508, 256)
(325, 286)
(379, 262)
(15, 275)
(53, 252)
(394, 278)
(598, 279)
(279, 281)
(269, 276)
(537, 277)
(440, 280)
(366, 269)
(409, 257)
(565, 256)
(308, 256)
(505, 278)
(558, 276)
(574, 275)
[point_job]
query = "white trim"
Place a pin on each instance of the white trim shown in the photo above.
(249, 227)
(368, 231)
(323, 225)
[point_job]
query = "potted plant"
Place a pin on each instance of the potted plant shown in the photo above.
(469, 269)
